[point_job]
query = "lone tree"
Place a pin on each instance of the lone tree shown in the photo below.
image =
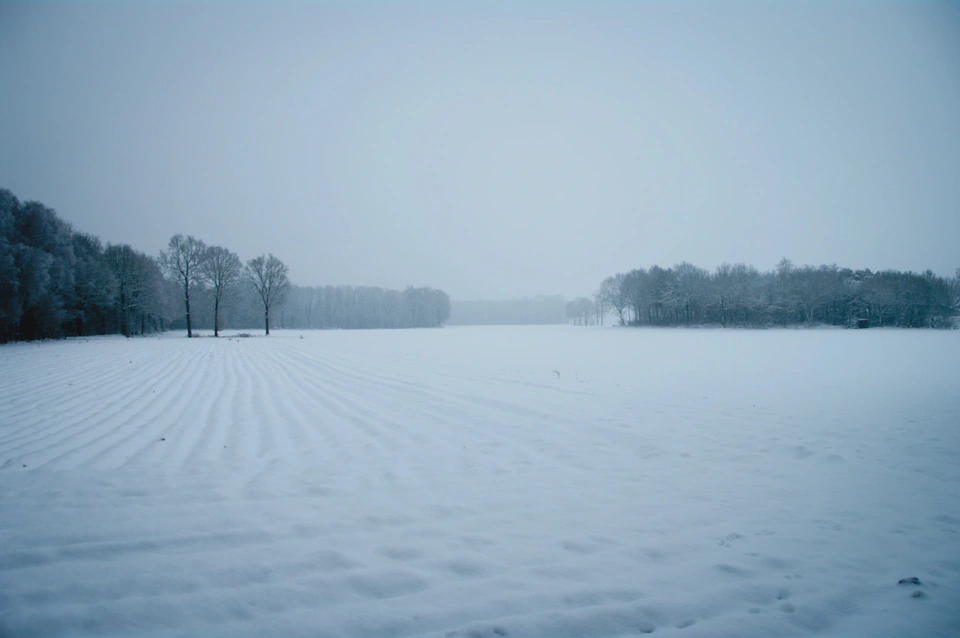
(222, 270)
(269, 276)
(181, 262)
(612, 294)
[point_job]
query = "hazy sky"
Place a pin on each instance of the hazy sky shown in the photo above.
(493, 149)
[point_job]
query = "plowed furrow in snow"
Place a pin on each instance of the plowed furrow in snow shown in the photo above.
(47, 416)
(449, 412)
(44, 437)
(126, 424)
(63, 382)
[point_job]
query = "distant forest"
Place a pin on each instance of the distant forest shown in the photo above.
(56, 281)
(740, 295)
(542, 309)
(352, 307)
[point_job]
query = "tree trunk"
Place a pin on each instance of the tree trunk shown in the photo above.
(266, 320)
(216, 316)
(123, 313)
(186, 300)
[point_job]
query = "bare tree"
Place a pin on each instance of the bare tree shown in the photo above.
(181, 262)
(612, 294)
(581, 310)
(269, 276)
(222, 270)
(599, 306)
(635, 289)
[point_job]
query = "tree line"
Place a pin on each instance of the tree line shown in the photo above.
(788, 295)
(56, 281)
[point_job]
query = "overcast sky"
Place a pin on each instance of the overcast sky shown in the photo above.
(490, 150)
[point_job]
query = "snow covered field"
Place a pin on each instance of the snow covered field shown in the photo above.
(510, 481)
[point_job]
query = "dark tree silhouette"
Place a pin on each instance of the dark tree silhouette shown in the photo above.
(221, 269)
(269, 277)
(181, 262)
(740, 295)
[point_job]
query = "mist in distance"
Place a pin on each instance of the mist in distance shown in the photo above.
(493, 151)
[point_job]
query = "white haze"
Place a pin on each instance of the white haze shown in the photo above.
(492, 150)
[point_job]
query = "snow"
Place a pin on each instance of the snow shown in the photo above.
(448, 483)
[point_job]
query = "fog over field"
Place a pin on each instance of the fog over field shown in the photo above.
(493, 150)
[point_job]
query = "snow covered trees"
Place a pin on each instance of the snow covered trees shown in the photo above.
(45, 261)
(94, 286)
(131, 282)
(740, 295)
(37, 271)
(56, 282)
(9, 273)
(269, 277)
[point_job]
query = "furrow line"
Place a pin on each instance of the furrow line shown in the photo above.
(170, 422)
(78, 408)
(360, 418)
(123, 423)
(83, 425)
(212, 441)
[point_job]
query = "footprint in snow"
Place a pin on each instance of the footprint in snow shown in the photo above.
(477, 633)
(646, 627)
(729, 539)
(915, 582)
(731, 570)
(387, 584)
(466, 568)
(579, 548)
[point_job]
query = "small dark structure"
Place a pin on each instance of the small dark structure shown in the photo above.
(863, 323)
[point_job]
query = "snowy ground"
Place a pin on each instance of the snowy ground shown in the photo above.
(450, 483)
